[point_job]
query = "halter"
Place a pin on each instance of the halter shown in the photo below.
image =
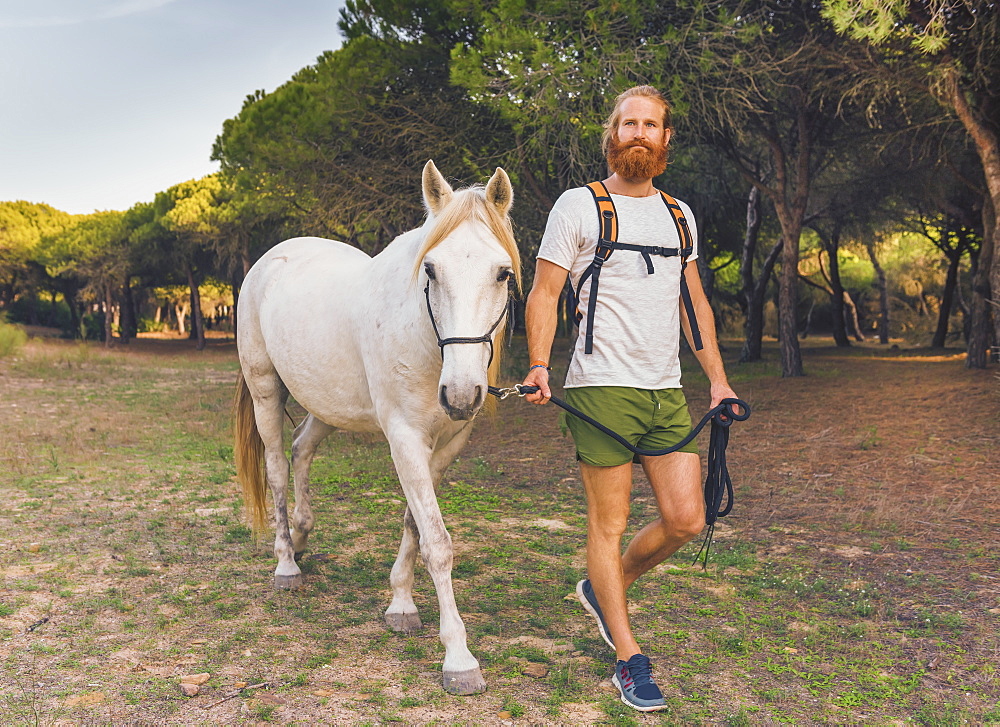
(442, 342)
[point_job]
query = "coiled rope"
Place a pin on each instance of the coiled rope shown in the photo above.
(718, 484)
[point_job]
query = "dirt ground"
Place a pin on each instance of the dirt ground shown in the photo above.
(855, 581)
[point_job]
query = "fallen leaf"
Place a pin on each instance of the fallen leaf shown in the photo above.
(503, 715)
(270, 699)
(86, 700)
(324, 693)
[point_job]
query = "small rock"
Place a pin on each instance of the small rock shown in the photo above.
(270, 700)
(34, 547)
(189, 690)
(324, 693)
(196, 679)
(535, 670)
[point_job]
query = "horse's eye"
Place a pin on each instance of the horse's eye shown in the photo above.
(503, 276)
(429, 269)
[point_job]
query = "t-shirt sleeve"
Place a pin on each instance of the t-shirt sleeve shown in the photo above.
(562, 239)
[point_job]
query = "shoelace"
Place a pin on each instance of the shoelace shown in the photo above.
(640, 670)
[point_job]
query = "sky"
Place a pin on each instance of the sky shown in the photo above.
(104, 103)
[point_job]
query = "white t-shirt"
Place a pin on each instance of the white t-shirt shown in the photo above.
(637, 319)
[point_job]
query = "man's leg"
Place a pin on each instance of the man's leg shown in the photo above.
(608, 498)
(676, 482)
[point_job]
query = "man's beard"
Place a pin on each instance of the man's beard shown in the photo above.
(630, 162)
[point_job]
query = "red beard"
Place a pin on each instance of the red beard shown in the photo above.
(637, 159)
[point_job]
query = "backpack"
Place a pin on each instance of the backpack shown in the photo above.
(607, 243)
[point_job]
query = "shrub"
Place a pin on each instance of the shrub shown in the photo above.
(12, 338)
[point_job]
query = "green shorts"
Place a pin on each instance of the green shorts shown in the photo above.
(646, 418)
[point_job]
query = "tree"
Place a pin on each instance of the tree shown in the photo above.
(22, 226)
(957, 44)
(93, 254)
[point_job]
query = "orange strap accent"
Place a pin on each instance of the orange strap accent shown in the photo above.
(606, 209)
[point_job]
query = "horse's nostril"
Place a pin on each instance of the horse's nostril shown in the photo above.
(479, 397)
(443, 397)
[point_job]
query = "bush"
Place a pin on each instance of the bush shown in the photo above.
(12, 338)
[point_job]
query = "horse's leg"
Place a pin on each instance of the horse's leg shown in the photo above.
(269, 409)
(412, 455)
(307, 437)
(402, 613)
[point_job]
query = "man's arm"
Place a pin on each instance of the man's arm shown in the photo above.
(540, 318)
(709, 356)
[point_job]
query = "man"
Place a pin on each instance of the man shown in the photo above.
(630, 379)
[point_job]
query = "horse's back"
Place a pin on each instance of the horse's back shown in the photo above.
(297, 317)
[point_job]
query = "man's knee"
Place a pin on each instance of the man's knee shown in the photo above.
(685, 526)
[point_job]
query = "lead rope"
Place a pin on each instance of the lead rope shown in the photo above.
(718, 484)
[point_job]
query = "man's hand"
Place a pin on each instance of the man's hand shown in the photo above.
(538, 376)
(723, 391)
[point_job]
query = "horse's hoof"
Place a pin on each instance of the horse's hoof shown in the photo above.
(404, 623)
(288, 583)
(464, 682)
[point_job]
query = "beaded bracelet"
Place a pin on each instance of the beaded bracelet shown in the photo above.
(540, 366)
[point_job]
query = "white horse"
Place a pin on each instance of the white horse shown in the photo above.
(399, 343)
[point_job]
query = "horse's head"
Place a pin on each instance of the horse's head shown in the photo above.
(468, 265)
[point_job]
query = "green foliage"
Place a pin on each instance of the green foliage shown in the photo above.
(12, 338)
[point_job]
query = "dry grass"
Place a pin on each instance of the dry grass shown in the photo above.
(855, 581)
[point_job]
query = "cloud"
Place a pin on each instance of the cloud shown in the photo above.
(54, 13)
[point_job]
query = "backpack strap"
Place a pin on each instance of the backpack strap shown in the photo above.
(687, 248)
(607, 243)
(608, 236)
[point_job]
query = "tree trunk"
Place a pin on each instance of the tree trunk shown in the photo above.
(788, 299)
(947, 298)
(69, 292)
(129, 327)
(109, 305)
(197, 324)
(988, 148)
(837, 292)
(180, 312)
(235, 282)
(851, 314)
(883, 294)
(754, 327)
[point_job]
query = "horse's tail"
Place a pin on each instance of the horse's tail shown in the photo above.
(248, 451)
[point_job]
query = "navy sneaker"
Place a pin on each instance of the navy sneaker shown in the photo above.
(634, 679)
(585, 592)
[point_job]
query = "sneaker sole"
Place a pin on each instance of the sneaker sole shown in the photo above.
(633, 705)
(590, 609)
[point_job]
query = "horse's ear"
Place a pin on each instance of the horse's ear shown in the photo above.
(499, 191)
(437, 191)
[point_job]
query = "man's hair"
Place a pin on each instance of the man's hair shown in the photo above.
(611, 125)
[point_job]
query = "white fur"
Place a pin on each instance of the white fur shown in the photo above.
(350, 338)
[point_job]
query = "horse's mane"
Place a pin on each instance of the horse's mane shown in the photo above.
(469, 204)
(465, 205)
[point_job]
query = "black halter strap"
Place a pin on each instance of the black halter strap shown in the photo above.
(487, 338)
